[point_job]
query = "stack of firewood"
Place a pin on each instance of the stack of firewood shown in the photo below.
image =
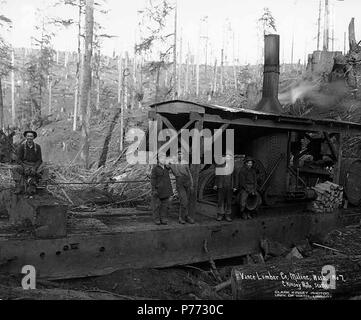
(329, 197)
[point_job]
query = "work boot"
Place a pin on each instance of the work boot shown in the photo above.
(157, 221)
(164, 221)
(189, 220)
(228, 218)
(219, 217)
(181, 220)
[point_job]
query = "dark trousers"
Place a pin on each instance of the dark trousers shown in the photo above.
(243, 199)
(23, 178)
(225, 200)
(160, 208)
(184, 192)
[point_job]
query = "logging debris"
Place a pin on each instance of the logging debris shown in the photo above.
(96, 187)
(294, 254)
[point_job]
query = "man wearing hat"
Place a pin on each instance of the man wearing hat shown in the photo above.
(184, 185)
(161, 190)
(247, 184)
(224, 185)
(29, 169)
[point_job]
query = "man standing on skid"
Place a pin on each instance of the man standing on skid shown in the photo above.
(184, 184)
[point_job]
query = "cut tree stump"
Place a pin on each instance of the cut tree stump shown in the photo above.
(300, 279)
(44, 214)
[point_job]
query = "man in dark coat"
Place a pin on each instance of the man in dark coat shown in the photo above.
(29, 169)
(161, 190)
(184, 184)
(224, 184)
(247, 184)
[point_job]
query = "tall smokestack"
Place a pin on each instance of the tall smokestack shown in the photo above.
(271, 75)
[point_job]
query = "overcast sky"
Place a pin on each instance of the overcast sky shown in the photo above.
(298, 17)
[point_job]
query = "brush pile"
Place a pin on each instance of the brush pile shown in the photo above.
(329, 197)
(117, 183)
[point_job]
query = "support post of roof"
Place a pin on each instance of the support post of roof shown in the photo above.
(195, 169)
(337, 167)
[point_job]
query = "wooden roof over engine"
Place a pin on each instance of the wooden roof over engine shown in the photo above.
(252, 118)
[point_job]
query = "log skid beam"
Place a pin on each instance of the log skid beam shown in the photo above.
(83, 254)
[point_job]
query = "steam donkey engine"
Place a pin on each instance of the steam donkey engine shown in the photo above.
(289, 161)
(292, 153)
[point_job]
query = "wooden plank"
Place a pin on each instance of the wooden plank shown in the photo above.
(167, 122)
(186, 126)
(152, 114)
(263, 123)
(195, 116)
(170, 126)
(179, 107)
(112, 212)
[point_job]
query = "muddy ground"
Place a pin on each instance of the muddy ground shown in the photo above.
(190, 282)
(179, 283)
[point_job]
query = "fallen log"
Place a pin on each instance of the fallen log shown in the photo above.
(328, 248)
(112, 212)
(104, 154)
(222, 285)
(299, 279)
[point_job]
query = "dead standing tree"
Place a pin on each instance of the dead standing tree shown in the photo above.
(266, 25)
(267, 22)
(100, 64)
(175, 93)
(351, 34)
(154, 22)
(87, 80)
(79, 5)
(5, 64)
(37, 70)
